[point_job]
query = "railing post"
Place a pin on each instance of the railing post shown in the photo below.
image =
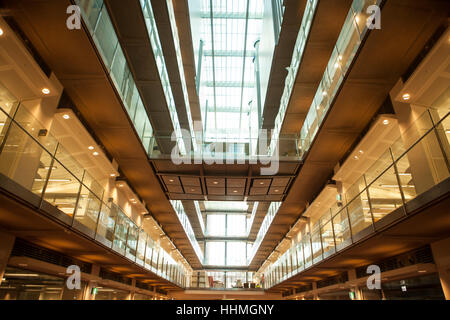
(441, 145)
(370, 203)
(78, 197)
(398, 180)
(47, 178)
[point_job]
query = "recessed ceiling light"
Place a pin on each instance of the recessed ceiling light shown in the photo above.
(406, 96)
(235, 191)
(356, 157)
(132, 200)
(1, 32)
(277, 190)
(261, 183)
(386, 122)
(422, 271)
(46, 91)
(171, 180)
(361, 152)
(66, 117)
(215, 182)
(91, 148)
(121, 185)
(113, 175)
(324, 93)
(95, 153)
(357, 19)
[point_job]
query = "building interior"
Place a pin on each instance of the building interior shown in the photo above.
(225, 149)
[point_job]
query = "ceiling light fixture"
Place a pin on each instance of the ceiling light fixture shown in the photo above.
(66, 117)
(406, 96)
(1, 32)
(91, 148)
(46, 91)
(386, 122)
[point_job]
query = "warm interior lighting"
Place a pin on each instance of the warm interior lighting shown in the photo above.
(46, 91)
(1, 32)
(395, 186)
(386, 122)
(53, 180)
(66, 117)
(95, 153)
(356, 157)
(113, 175)
(91, 148)
(215, 182)
(406, 96)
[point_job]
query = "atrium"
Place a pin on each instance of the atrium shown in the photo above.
(224, 150)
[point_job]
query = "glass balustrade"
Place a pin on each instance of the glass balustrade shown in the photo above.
(270, 215)
(394, 180)
(182, 216)
(352, 35)
(47, 175)
(99, 24)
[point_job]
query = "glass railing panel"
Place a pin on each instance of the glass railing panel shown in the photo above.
(120, 233)
(141, 246)
(385, 196)
(316, 243)
(62, 190)
(119, 69)
(307, 250)
(34, 128)
(300, 260)
(105, 38)
(149, 253)
(66, 159)
(379, 166)
(88, 209)
(155, 256)
(359, 213)
(106, 222)
(327, 237)
(91, 10)
(342, 229)
(20, 151)
(5, 122)
(133, 232)
(93, 185)
(45, 163)
(354, 190)
(348, 42)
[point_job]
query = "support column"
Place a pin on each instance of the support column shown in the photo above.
(92, 284)
(6, 246)
(352, 279)
(315, 294)
(131, 295)
(441, 256)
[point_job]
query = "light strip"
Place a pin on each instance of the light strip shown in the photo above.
(53, 180)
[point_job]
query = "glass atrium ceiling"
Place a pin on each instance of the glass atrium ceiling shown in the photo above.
(228, 32)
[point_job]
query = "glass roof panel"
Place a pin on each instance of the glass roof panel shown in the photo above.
(229, 30)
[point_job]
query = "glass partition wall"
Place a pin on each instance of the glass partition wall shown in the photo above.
(51, 179)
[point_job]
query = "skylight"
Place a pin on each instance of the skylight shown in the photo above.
(228, 32)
